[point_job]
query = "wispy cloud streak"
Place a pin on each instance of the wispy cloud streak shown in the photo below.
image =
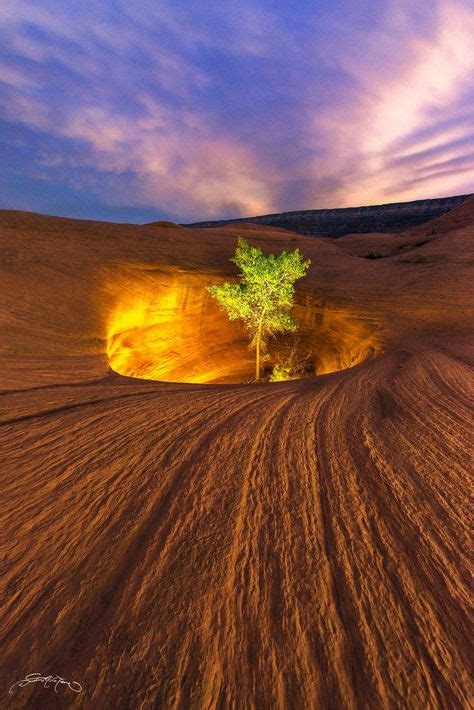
(195, 112)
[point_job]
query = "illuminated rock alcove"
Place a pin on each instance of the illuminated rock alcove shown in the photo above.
(165, 326)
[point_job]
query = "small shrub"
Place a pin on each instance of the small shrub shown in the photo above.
(280, 373)
(292, 366)
(373, 255)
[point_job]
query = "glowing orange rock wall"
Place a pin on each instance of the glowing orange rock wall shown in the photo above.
(165, 326)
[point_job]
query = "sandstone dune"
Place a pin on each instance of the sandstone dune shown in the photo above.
(172, 538)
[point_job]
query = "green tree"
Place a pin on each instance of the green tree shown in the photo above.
(264, 296)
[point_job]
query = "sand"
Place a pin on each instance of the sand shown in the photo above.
(187, 544)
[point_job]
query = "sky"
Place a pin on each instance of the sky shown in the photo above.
(188, 110)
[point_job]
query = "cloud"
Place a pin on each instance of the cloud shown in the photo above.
(135, 117)
(176, 164)
(400, 95)
(218, 110)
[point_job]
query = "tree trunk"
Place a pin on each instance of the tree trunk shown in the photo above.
(257, 356)
(258, 340)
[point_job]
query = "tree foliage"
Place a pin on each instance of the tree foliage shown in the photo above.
(263, 298)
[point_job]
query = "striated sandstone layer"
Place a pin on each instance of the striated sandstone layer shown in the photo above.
(336, 223)
(186, 544)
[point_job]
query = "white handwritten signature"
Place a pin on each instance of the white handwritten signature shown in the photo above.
(47, 681)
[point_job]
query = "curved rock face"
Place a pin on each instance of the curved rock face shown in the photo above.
(170, 544)
(165, 326)
(352, 220)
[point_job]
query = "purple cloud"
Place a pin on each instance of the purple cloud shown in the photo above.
(217, 111)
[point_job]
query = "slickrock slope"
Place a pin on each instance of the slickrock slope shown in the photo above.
(193, 545)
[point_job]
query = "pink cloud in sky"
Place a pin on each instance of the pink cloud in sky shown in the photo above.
(156, 120)
(400, 95)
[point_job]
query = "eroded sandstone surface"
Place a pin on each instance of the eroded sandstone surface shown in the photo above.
(184, 544)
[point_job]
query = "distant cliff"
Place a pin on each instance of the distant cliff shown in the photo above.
(352, 220)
